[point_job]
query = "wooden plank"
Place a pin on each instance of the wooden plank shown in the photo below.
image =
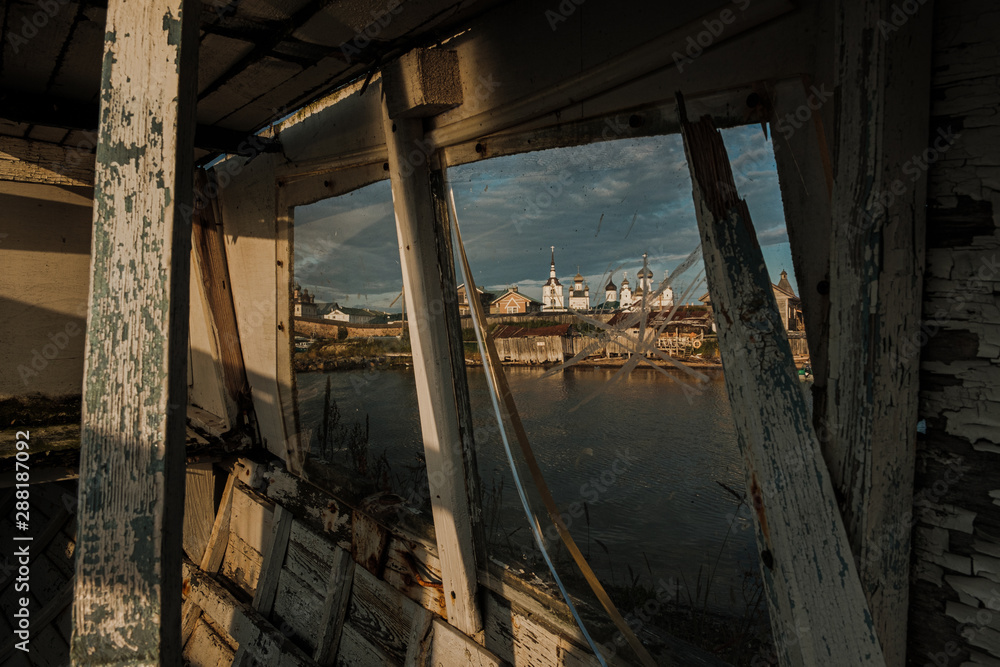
(252, 517)
(418, 647)
(249, 220)
(241, 621)
(209, 249)
(316, 508)
(274, 558)
(215, 549)
(356, 650)
(206, 386)
(448, 646)
(309, 557)
(338, 594)
(28, 161)
(190, 617)
(876, 282)
(242, 564)
(295, 451)
(383, 615)
(199, 509)
(416, 223)
(656, 54)
(802, 158)
(811, 579)
(299, 609)
(409, 556)
(205, 648)
(127, 602)
(369, 543)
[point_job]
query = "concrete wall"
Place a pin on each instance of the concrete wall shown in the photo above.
(955, 595)
(44, 284)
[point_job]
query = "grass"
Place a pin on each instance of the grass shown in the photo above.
(352, 441)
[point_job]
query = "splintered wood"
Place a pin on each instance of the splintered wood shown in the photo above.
(818, 610)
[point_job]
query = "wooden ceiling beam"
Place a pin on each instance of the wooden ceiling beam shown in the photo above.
(20, 107)
(266, 46)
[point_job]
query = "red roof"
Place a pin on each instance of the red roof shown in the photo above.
(513, 331)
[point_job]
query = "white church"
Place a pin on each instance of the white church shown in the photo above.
(554, 299)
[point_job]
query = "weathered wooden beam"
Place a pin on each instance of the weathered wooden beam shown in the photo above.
(209, 248)
(29, 161)
(295, 449)
(127, 605)
(257, 637)
(274, 557)
(23, 106)
(249, 218)
(819, 614)
(215, 549)
(422, 83)
(424, 291)
(876, 281)
(338, 594)
(199, 509)
(654, 55)
(802, 157)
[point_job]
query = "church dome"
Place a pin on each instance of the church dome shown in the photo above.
(611, 285)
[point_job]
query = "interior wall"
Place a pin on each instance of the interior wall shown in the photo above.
(45, 235)
(955, 595)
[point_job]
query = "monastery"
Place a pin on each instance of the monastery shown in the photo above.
(553, 299)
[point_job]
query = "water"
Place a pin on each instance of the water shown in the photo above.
(645, 455)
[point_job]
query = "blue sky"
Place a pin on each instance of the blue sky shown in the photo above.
(601, 205)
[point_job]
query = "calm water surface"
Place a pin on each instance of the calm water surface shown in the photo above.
(644, 454)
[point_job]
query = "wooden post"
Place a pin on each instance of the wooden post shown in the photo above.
(876, 278)
(433, 368)
(127, 605)
(802, 158)
(818, 611)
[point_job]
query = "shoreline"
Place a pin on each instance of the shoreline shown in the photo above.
(398, 360)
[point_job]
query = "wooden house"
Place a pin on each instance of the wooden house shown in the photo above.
(513, 302)
(789, 305)
(463, 300)
(537, 345)
(152, 154)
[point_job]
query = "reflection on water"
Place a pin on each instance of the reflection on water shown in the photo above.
(644, 456)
